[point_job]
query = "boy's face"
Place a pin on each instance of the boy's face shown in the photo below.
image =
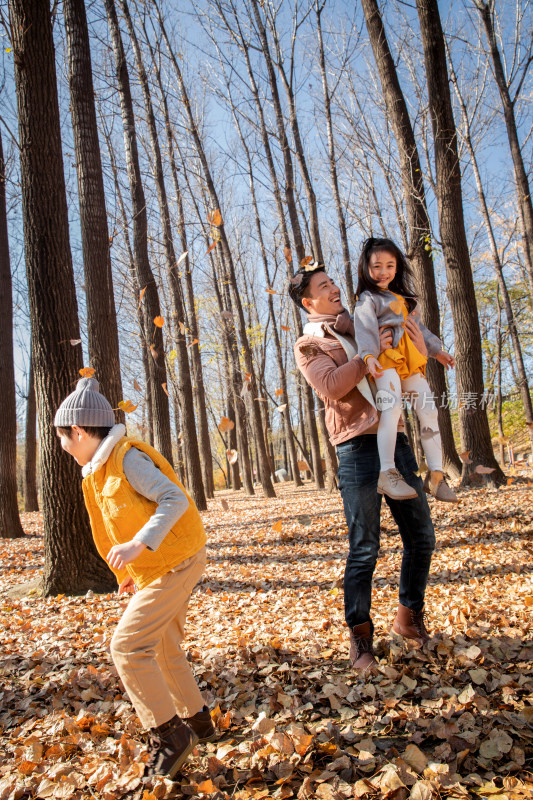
(81, 446)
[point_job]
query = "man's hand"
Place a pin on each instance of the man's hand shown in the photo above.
(122, 554)
(127, 585)
(445, 359)
(374, 367)
(415, 335)
(385, 339)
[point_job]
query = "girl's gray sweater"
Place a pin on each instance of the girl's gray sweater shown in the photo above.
(372, 312)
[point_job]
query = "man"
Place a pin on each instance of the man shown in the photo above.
(327, 357)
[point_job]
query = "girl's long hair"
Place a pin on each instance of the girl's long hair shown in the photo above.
(402, 283)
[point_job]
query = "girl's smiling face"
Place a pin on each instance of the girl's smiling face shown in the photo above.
(382, 268)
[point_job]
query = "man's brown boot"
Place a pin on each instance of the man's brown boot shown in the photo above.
(361, 649)
(170, 745)
(202, 725)
(410, 624)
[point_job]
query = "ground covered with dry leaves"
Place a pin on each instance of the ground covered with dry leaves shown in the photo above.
(269, 647)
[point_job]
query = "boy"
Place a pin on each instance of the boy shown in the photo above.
(149, 531)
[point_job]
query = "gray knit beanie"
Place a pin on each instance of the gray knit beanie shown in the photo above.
(85, 407)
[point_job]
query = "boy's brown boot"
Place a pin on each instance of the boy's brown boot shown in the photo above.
(170, 745)
(409, 624)
(202, 725)
(361, 649)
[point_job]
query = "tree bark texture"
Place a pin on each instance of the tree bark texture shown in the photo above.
(417, 217)
(31, 501)
(72, 565)
(473, 420)
(145, 278)
(184, 383)
(101, 314)
(10, 525)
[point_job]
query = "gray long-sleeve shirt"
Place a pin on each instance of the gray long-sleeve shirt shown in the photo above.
(148, 480)
(373, 311)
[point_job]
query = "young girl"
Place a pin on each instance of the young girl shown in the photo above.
(385, 299)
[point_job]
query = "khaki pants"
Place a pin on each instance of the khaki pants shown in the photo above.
(146, 647)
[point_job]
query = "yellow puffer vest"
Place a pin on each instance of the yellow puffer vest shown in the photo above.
(117, 512)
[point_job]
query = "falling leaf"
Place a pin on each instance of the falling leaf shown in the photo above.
(154, 352)
(8, 49)
(86, 372)
(226, 424)
(285, 328)
(288, 254)
(481, 470)
(396, 307)
(211, 247)
(279, 392)
(136, 386)
(141, 294)
(159, 322)
(182, 257)
(247, 376)
(127, 406)
(281, 408)
(465, 457)
(271, 291)
(74, 342)
(215, 218)
(165, 389)
(277, 526)
(232, 456)
(194, 341)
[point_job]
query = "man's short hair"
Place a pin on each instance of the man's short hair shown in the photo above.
(299, 284)
(94, 431)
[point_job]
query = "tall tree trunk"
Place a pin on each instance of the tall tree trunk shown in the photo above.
(417, 217)
(31, 501)
(186, 399)
(332, 162)
(525, 206)
(230, 276)
(72, 565)
(145, 278)
(101, 315)
(523, 383)
(473, 420)
(10, 527)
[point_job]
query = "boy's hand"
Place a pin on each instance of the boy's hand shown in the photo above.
(122, 554)
(127, 585)
(385, 339)
(415, 334)
(374, 367)
(445, 358)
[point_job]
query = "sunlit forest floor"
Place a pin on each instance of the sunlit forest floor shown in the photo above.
(269, 646)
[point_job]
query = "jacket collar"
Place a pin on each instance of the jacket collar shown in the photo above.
(105, 448)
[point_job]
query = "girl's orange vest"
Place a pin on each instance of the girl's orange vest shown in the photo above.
(117, 512)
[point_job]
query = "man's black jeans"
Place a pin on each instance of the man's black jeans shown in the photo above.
(358, 479)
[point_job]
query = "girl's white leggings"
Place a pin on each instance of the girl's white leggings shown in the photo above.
(388, 402)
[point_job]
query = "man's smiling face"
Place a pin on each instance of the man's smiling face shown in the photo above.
(322, 296)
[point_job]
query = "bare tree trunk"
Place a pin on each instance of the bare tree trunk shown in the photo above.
(332, 158)
(525, 206)
(186, 400)
(473, 420)
(31, 501)
(145, 277)
(262, 457)
(10, 526)
(499, 399)
(417, 216)
(101, 314)
(72, 565)
(523, 383)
